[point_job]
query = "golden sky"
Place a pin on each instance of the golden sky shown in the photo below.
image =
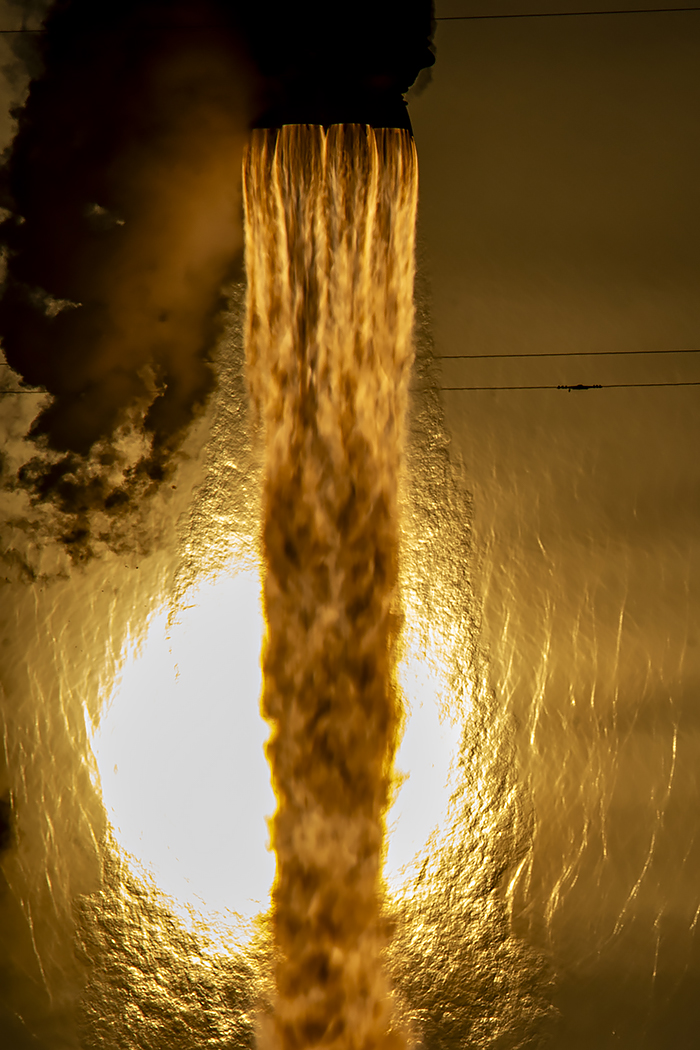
(559, 214)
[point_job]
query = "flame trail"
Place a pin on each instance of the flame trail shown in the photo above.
(330, 220)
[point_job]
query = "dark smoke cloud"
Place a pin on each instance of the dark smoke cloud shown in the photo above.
(125, 223)
(330, 64)
(122, 189)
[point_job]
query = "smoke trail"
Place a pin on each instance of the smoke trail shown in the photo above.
(330, 223)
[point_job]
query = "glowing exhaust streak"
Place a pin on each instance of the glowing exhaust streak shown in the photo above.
(330, 221)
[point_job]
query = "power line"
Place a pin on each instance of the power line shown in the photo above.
(483, 18)
(566, 14)
(573, 386)
(508, 357)
(583, 353)
(490, 18)
(544, 386)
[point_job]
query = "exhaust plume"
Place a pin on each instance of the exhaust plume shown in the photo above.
(330, 220)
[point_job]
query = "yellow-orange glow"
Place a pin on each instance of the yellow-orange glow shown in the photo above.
(180, 751)
(180, 754)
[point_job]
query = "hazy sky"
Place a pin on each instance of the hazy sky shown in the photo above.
(560, 213)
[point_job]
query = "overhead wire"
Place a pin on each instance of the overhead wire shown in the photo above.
(493, 17)
(566, 14)
(535, 386)
(567, 386)
(576, 386)
(568, 353)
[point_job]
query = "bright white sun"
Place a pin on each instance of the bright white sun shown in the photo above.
(180, 754)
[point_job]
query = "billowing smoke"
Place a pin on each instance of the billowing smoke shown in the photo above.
(125, 224)
(122, 191)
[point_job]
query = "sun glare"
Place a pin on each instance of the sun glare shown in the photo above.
(180, 752)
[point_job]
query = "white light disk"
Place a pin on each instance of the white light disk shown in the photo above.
(180, 752)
